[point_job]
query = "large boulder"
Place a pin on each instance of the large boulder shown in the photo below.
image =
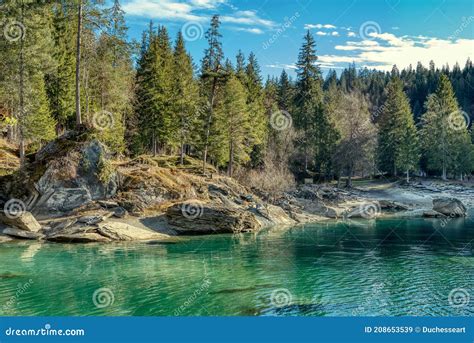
(82, 176)
(451, 207)
(72, 171)
(23, 221)
(194, 218)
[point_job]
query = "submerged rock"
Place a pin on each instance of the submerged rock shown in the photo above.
(14, 232)
(391, 206)
(123, 232)
(103, 232)
(4, 239)
(197, 219)
(451, 207)
(79, 237)
(433, 214)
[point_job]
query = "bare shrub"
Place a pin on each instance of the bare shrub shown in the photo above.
(274, 177)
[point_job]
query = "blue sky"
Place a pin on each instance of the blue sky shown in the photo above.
(373, 33)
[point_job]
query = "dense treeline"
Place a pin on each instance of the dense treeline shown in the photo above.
(68, 65)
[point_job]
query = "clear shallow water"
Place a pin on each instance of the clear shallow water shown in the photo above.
(385, 267)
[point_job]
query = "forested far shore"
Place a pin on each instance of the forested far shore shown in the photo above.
(70, 66)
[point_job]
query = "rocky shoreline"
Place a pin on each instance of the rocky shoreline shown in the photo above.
(73, 192)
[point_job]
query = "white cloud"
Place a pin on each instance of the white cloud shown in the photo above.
(163, 9)
(351, 34)
(384, 50)
(207, 3)
(253, 30)
(281, 66)
(319, 26)
(247, 18)
(334, 33)
(194, 10)
(321, 33)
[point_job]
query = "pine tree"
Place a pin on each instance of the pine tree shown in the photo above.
(185, 95)
(240, 67)
(161, 121)
(446, 143)
(109, 76)
(258, 120)
(395, 126)
(308, 95)
(28, 54)
(60, 80)
(285, 92)
(236, 123)
(212, 76)
(40, 124)
(407, 155)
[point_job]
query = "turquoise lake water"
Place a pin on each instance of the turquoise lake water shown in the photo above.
(357, 268)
